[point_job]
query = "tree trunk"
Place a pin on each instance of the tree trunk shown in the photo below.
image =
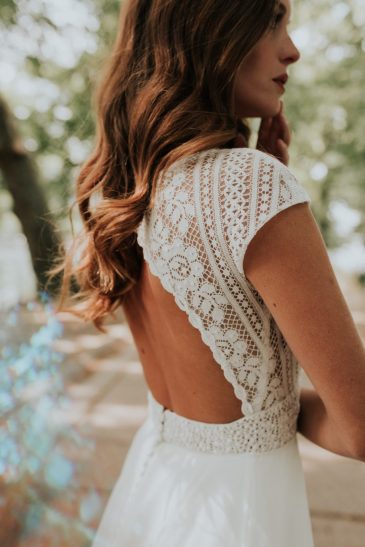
(30, 205)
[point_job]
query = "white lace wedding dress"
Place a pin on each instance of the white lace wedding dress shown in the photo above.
(186, 483)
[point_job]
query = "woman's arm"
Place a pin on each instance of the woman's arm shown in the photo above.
(315, 425)
(287, 262)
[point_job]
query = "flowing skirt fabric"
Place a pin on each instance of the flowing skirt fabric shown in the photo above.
(171, 496)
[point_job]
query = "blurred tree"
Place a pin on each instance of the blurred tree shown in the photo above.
(30, 205)
(57, 66)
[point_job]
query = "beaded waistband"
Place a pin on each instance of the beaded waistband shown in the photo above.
(260, 432)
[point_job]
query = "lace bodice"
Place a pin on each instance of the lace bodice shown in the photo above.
(207, 209)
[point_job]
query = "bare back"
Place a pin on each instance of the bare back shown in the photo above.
(175, 360)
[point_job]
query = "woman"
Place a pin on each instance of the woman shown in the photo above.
(224, 295)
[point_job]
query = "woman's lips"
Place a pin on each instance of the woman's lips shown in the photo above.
(281, 80)
(280, 84)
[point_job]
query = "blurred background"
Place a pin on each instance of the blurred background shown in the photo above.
(71, 398)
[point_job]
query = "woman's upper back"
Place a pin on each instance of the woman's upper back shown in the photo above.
(208, 209)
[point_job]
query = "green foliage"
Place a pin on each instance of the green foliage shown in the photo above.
(8, 12)
(325, 105)
(58, 125)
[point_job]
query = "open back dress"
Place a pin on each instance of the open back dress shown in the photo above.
(186, 483)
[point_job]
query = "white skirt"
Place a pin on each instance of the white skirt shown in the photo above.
(169, 495)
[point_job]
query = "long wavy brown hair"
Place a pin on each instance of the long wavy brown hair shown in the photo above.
(167, 92)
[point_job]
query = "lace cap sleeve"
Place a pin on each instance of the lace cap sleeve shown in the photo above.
(254, 187)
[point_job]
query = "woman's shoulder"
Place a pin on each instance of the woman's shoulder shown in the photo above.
(242, 158)
(249, 157)
(238, 166)
(239, 169)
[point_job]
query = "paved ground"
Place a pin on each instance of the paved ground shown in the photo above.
(108, 403)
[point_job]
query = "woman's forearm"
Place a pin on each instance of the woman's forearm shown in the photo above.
(314, 424)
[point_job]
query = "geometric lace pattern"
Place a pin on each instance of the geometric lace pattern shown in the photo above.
(206, 210)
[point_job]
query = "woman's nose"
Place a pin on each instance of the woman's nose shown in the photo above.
(291, 53)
